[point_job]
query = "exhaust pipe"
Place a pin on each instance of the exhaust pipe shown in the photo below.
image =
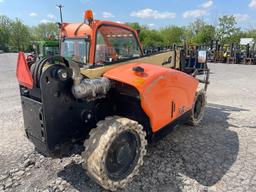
(89, 89)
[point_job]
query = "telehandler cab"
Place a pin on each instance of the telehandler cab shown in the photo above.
(103, 91)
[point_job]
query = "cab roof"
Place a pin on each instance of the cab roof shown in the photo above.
(74, 30)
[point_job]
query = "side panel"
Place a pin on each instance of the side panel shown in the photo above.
(165, 94)
(64, 116)
(157, 59)
(167, 98)
(53, 117)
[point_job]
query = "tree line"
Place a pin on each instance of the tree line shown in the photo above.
(198, 32)
(16, 36)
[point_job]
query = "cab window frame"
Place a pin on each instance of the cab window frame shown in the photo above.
(85, 39)
(135, 35)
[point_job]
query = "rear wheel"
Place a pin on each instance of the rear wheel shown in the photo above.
(114, 152)
(198, 109)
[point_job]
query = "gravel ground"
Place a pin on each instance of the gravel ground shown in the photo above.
(218, 155)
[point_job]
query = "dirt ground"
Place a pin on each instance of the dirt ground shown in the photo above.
(218, 155)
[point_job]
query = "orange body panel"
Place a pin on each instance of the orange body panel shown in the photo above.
(79, 30)
(76, 30)
(158, 88)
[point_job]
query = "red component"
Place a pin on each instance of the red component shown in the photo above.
(23, 73)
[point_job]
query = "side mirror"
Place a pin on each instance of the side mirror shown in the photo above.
(202, 56)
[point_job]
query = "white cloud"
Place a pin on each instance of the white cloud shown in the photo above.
(121, 22)
(107, 15)
(242, 17)
(151, 25)
(252, 4)
(51, 16)
(150, 13)
(46, 21)
(195, 13)
(201, 11)
(207, 4)
(33, 14)
(50, 19)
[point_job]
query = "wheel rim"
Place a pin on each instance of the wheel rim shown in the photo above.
(123, 155)
(198, 107)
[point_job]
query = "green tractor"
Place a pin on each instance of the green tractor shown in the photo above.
(43, 49)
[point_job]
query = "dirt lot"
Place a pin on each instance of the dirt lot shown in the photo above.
(219, 155)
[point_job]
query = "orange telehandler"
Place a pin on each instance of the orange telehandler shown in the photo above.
(104, 92)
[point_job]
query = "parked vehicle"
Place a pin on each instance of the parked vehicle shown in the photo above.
(104, 92)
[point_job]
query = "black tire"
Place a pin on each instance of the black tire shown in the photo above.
(198, 109)
(114, 152)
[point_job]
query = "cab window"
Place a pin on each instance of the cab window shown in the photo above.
(75, 49)
(51, 50)
(115, 44)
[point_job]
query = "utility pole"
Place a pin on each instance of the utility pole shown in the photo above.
(60, 7)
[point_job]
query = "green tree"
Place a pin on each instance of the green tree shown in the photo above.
(199, 32)
(44, 31)
(193, 29)
(151, 38)
(5, 28)
(227, 28)
(171, 35)
(250, 34)
(204, 35)
(135, 25)
(19, 36)
(197, 26)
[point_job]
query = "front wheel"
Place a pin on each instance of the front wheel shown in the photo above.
(114, 152)
(198, 109)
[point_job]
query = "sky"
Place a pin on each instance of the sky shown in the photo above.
(153, 13)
